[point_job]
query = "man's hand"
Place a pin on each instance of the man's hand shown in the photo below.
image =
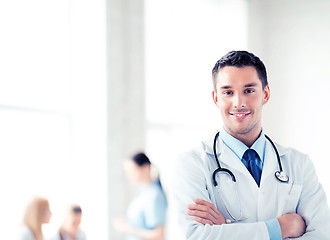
(205, 213)
(292, 225)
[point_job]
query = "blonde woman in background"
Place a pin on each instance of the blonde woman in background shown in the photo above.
(37, 213)
(70, 229)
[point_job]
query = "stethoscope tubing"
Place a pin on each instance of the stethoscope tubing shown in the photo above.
(280, 175)
(277, 154)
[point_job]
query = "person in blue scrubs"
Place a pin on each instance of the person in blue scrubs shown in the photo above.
(146, 214)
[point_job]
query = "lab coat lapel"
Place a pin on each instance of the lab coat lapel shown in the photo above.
(226, 156)
(230, 159)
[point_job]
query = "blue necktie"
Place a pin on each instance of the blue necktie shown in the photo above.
(251, 157)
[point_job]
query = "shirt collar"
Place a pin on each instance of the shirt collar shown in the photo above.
(239, 148)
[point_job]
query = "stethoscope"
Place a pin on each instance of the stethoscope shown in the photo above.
(280, 175)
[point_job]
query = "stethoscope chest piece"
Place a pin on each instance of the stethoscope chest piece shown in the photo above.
(281, 176)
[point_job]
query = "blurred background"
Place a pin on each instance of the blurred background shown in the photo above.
(84, 83)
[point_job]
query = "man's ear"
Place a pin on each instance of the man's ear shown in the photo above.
(215, 97)
(266, 94)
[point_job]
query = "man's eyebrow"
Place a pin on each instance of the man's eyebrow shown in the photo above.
(250, 85)
(226, 87)
(246, 86)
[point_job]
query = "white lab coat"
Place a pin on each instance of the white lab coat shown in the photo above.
(303, 193)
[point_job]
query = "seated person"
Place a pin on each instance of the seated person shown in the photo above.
(37, 213)
(70, 229)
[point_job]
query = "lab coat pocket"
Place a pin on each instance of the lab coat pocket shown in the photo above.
(288, 197)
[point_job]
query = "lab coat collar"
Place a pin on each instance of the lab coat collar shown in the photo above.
(227, 157)
(239, 147)
(208, 146)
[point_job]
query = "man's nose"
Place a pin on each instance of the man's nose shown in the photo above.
(239, 101)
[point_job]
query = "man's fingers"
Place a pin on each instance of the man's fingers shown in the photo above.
(206, 210)
(202, 221)
(206, 203)
(198, 207)
(205, 206)
(203, 209)
(200, 214)
(201, 201)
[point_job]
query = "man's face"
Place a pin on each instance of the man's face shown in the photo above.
(240, 98)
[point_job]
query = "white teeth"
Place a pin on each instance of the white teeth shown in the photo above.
(239, 114)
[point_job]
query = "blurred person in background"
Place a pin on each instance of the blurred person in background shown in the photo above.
(70, 229)
(146, 214)
(37, 213)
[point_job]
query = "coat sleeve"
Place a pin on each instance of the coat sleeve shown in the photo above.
(189, 183)
(313, 205)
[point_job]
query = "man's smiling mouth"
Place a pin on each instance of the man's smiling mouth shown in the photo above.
(240, 115)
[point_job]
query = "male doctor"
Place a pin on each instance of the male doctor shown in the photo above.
(246, 199)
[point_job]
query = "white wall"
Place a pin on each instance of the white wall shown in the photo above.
(126, 99)
(53, 111)
(292, 37)
(88, 87)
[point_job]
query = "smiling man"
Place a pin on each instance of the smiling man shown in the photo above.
(239, 184)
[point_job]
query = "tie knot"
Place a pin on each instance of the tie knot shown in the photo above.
(250, 154)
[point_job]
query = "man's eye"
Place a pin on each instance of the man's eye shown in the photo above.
(249, 91)
(227, 93)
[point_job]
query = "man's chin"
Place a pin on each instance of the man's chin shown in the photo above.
(240, 131)
(243, 131)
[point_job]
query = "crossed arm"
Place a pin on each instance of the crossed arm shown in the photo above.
(204, 221)
(292, 225)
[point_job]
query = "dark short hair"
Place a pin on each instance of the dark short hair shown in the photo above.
(141, 159)
(76, 209)
(240, 59)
